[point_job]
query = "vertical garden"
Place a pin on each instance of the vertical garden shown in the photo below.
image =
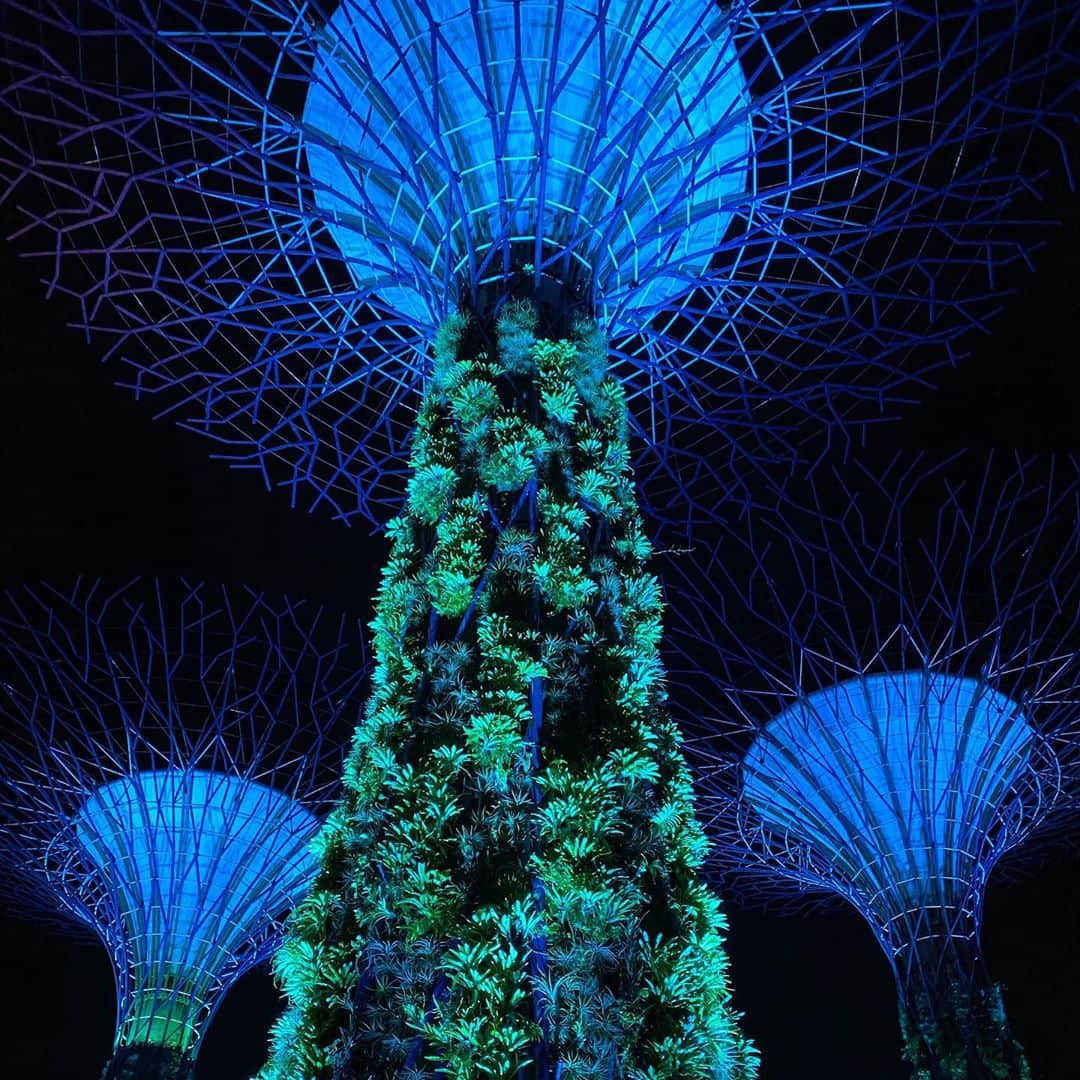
(511, 886)
(509, 279)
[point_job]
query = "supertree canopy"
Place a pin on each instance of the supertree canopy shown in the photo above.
(513, 234)
(893, 713)
(778, 213)
(167, 758)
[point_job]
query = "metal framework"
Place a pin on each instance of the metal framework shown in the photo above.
(781, 213)
(168, 755)
(880, 680)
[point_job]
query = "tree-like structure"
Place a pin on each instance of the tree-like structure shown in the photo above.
(168, 755)
(882, 687)
(779, 213)
(684, 221)
(535, 908)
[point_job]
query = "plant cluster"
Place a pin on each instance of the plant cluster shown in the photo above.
(510, 886)
(147, 1061)
(968, 1035)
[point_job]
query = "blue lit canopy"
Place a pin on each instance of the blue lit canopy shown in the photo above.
(878, 674)
(781, 213)
(168, 751)
(869, 669)
(601, 146)
(901, 787)
(195, 861)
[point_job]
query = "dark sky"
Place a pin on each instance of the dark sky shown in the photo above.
(92, 484)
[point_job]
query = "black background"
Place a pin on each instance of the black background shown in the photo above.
(92, 484)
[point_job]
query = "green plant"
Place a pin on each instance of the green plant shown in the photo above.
(511, 881)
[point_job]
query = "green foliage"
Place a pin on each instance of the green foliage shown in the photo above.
(430, 490)
(945, 1034)
(457, 559)
(517, 338)
(514, 869)
(516, 455)
(486, 1034)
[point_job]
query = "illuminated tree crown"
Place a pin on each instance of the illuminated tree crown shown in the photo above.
(781, 214)
(167, 757)
(888, 708)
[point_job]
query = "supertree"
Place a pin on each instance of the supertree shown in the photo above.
(168, 754)
(882, 685)
(777, 213)
(683, 221)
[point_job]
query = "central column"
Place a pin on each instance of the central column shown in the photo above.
(510, 888)
(952, 1015)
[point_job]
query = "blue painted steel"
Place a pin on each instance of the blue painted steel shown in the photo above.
(878, 673)
(521, 132)
(878, 676)
(197, 857)
(894, 780)
(167, 755)
(195, 862)
(269, 214)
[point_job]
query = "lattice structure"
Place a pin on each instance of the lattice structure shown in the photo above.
(885, 704)
(780, 213)
(168, 755)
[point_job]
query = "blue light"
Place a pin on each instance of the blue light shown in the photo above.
(895, 783)
(780, 214)
(170, 811)
(613, 137)
(197, 859)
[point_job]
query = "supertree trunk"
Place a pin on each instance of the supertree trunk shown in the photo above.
(147, 1061)
(510, 887)
(952, 1014)
(156, 1035)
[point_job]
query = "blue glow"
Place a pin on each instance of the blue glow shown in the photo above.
(344, 172)
(896, 784)
(198, 860)
(617, 147)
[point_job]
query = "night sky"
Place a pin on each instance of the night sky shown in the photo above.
(94, 485)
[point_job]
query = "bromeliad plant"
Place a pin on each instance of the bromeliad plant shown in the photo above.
(745, 195)
(510, 887)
